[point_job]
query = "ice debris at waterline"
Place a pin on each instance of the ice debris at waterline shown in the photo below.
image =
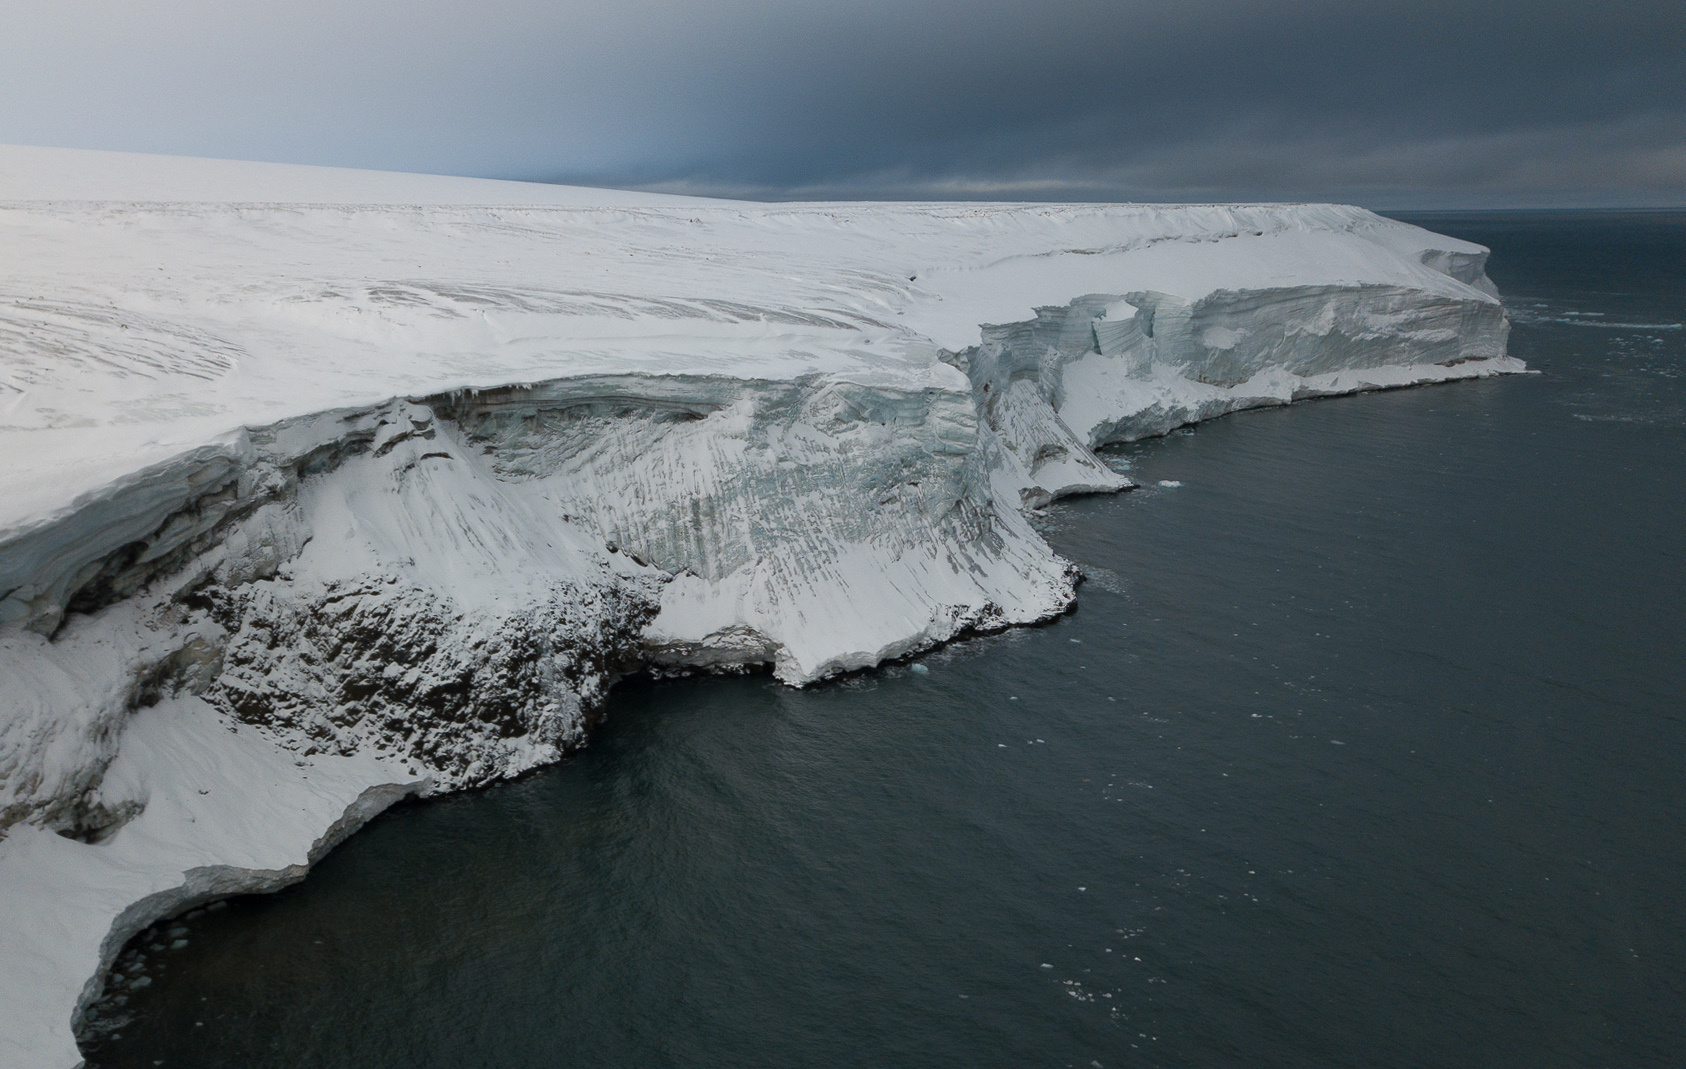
(321, 488)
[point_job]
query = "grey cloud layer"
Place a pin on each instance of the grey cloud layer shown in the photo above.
(1383, 102)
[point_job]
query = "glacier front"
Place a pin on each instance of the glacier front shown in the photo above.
(322, 488)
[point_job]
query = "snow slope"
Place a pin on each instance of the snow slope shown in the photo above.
(393, 474)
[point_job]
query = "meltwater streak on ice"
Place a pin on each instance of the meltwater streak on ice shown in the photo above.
(1362, 750)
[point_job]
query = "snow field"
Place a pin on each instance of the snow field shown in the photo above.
(319, 488)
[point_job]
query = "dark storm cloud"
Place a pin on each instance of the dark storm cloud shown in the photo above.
(1385, 103)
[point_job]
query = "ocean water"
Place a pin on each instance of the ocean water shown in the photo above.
(1364, 748)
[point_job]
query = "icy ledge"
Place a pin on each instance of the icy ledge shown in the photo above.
(249, 598)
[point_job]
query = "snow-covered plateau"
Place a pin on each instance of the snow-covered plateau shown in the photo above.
(322, 488)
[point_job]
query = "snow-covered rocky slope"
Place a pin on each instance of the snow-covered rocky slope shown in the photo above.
(319, 488)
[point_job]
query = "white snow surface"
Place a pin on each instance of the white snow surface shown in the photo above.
(227, 812)
(321, 487)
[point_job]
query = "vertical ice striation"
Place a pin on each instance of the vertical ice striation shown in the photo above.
(312, 502)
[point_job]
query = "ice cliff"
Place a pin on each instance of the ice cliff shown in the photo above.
(320, 488)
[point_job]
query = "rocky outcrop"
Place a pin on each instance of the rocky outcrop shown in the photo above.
(709, 438)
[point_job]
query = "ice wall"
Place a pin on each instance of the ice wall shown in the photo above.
(453, 581)
(308, 508)
(1120, 368)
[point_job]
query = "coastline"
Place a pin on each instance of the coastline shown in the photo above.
(819, 475)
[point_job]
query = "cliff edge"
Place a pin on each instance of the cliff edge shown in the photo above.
(319, 489)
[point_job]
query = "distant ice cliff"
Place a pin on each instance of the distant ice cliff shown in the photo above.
(322, 488)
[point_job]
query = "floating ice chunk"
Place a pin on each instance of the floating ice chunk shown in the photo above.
(919, 670)
(1170, 484)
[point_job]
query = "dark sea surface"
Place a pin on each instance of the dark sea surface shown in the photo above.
(1366, 747)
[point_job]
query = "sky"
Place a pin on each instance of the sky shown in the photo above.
(1385, 103)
